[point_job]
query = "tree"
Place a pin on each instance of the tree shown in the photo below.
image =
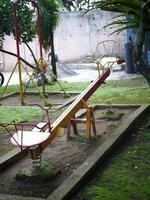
(76, 5)
(27, 28)
(139, 12)
(49, 14)
(5, 19)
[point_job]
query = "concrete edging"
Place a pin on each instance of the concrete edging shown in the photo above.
(66, 190)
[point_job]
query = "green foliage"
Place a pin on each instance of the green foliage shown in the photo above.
(49, 14)
(27, 27)
(126, 8)
(46, 168)
(76, 5)
(25, 23)
(6, 21)
(25, 15)
(134, 14)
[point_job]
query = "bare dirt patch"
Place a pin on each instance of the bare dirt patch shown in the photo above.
(35, 98)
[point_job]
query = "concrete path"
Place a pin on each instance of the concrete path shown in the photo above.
(74, 73)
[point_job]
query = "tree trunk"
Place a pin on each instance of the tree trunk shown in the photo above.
(139, 54)
(53, 57)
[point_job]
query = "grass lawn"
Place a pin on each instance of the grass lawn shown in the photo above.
(122, 91)
(135, 91)
(20, 113)
(125, 174)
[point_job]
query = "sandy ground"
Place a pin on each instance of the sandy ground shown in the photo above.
(65, 155)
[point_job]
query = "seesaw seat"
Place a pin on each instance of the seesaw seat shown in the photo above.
(29, 138)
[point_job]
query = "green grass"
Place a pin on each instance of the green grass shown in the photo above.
(18, 113)
(12, 88)
(126, 175)
(135, 91)
(122, 91)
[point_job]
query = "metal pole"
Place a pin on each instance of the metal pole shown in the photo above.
(41, 53)
(18, 53)
(40, 34)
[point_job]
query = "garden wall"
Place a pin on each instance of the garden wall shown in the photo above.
(76, 37)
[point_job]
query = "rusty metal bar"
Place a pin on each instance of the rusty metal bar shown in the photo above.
(18, 51)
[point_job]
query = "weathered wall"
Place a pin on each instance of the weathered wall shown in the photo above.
(76, 37)
(10, 45)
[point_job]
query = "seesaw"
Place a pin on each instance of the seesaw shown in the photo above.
(43, 133)
(38, 139)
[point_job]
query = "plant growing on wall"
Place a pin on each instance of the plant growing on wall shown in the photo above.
(139, 12)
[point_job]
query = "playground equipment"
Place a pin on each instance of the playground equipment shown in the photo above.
(38, 139)
(43, 133)
(39, 70)
(21, 138)
(19, 63)
(106, 54)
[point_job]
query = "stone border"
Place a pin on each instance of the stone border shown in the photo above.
(66, 190)
(69, 187)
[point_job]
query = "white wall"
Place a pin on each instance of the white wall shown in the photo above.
(76, 37)
(10, 45)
